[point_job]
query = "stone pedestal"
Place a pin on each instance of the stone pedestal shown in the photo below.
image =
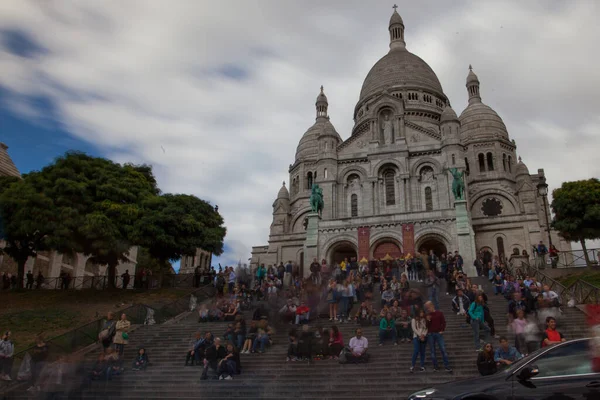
(311, 250)
(465, 237)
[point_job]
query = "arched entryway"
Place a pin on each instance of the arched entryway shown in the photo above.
(386, 247)
(487, 254)
(340, 251)
(432, 242)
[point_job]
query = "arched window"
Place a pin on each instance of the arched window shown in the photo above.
(504, 162)
(390, 191)
(453, 159)
(490, 162)
(428, 199)
(309, 180)
(325, 173)
(481, 162)
(509, 164)
(467, 165)
(354, 205)
(500, 245)
(315, 176)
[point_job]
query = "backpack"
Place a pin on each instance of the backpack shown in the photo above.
(343, 358)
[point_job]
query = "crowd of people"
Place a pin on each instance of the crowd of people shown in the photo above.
(380, 293)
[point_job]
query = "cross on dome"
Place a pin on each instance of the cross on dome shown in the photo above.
(395, 7)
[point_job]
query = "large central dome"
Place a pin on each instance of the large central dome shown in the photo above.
(400, 68)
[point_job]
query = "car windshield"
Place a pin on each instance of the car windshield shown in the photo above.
(516, 365)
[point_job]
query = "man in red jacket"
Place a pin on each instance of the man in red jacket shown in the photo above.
(436, 325)
(302, 313)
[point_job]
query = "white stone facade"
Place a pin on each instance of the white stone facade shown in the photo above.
(393, 170)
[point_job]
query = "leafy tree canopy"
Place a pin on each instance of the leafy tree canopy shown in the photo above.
(175, 225)
(576, 206)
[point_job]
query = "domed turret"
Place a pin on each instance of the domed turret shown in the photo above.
(448, 115)
(396, 29)
(308, 148)
(479, 121)
(283, 193)
(522, 169)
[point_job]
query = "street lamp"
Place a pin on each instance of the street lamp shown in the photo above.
(542, 188)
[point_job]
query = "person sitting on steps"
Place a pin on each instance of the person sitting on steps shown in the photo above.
(387, 329)
(141, 360)
(214, 354)
(358, 347)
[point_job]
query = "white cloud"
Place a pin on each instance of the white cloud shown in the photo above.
(228, 88)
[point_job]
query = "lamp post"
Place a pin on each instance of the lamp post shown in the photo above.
(542, 188)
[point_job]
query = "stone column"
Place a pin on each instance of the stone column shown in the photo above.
(55, 264)
(465, 237)
(311, 249)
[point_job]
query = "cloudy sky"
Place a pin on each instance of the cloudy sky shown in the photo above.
(216, 94)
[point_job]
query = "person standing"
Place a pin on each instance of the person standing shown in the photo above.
(39, 280)
(39, 355)
(29, 284)
(315, 269)
(553, 252)
(287, 275)
(541, 250)
(477, 315)
(108, 331)
(432, 283)
(7, 350)
(436, 325)
(419, 329)
(231, 280)
(432, 261)
(126, 278)
(121, 334)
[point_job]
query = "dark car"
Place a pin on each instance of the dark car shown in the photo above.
(561, 371)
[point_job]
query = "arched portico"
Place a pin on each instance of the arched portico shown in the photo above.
(432, 241)
(341, 250)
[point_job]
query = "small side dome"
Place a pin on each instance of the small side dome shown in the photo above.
(309, 143)
(283, 192)
(479, 121)
(448, 115)
(522, 168)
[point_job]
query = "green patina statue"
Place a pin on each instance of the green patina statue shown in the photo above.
(458, 184)
(316, 199)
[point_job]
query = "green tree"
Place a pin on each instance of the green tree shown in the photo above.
(27, 218)
(101, 201)
(175, 225)
(576, 207)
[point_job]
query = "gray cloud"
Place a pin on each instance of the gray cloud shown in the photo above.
(228, 88)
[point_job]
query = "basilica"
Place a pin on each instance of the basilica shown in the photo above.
(387, 188)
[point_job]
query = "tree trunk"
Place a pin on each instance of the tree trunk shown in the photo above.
(112, 272)
(585, 253)
(21, 272)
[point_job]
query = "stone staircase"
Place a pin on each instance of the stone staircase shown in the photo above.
(269, 376)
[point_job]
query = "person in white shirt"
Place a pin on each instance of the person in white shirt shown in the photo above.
(358, 346)
(551, 296)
